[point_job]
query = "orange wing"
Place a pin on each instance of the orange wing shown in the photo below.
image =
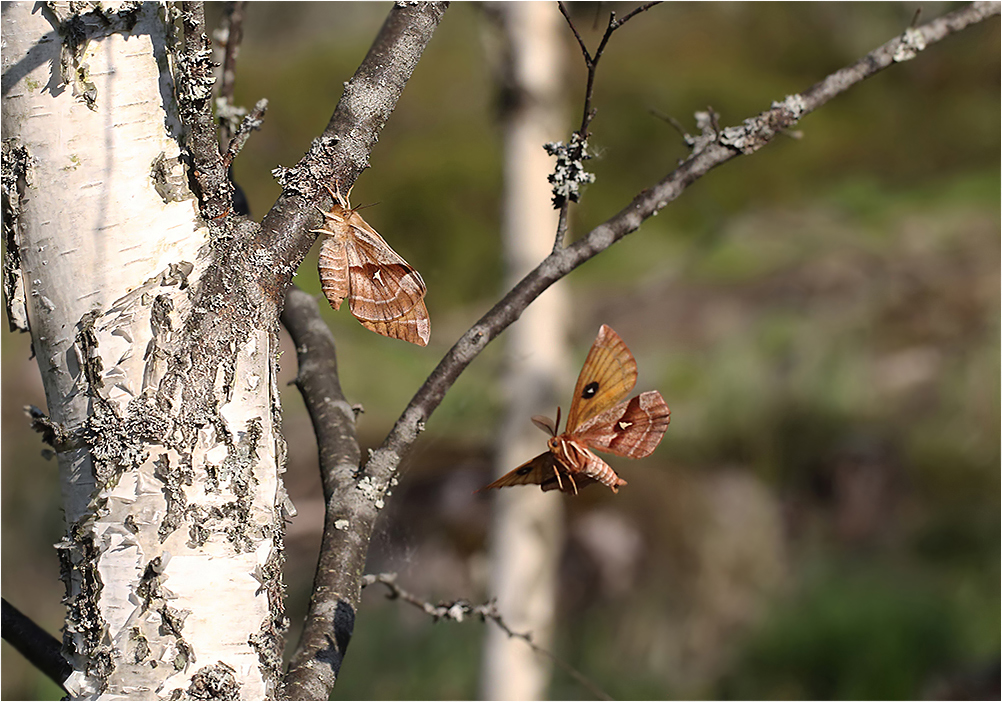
(413, 326)
(632, 429)
(608, 375)
(385, 293)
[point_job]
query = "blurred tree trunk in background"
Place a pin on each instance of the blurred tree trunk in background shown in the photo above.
(527, 531)
(173, 526)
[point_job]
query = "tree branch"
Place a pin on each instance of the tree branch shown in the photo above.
(591, 62)
(341, 153)
(569, 172)
(458, 610)
(728, 143)
(328, 627)
(233, 35)
(42, 649)
(194, 82)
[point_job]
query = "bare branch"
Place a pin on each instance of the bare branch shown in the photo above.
(342, 151)
(729, 143)
(591, 62)
(42, 649)
(328, 627)
(569, 171)
(458, 610)
(233, 27)
(195, 79)
(231, 34)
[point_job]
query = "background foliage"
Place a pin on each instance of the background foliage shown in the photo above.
(822, 517)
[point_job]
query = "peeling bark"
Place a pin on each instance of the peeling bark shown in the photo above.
(173, 503)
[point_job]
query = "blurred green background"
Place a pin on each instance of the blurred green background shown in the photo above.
(822, 518)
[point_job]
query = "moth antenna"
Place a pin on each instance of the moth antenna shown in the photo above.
(557, 425)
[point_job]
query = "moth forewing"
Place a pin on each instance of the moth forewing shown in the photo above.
(608, 375)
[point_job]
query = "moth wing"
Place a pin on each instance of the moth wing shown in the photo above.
(608, 375)
(413, 326)
(538, 471)
(383, 286)
(333, 266)
(632, 429)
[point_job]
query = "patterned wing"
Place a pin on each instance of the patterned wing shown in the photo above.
(413, 326)
(333, 266)
(632, 429)
(608, 375)
(383, 285)
(539, 471)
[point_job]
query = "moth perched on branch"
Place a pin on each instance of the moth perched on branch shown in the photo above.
(598, 419)
(385, 293)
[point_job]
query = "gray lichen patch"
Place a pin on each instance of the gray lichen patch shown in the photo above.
(211, 682)
(195, 77)
(78, 24)
(17, 175)
(169, 179)
(371, 491)
(86, 632)
(303, 179)
(268, 642)
(911, 43)
(569, 173)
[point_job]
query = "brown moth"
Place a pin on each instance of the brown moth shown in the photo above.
(598, 419)
(384, 292)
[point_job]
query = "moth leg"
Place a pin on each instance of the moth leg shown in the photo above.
(573, 484)
(559, 482)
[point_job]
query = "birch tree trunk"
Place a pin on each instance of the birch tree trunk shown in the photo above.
(172, 552)
(527, 531)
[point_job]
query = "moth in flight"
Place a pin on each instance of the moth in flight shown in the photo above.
(599, 420)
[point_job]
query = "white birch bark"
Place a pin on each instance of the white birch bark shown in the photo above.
(527, 531)
(172, 552)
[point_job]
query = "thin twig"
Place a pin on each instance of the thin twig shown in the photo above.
(569, 172)
(591, 62)
(251, 123)
(233, 29)
(231, 34)
(458, 610)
